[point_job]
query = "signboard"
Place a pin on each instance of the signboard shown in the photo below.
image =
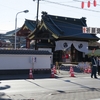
(91, 30)
(33, 59)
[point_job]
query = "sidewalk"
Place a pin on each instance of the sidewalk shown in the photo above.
(62, 74)
(23, 76)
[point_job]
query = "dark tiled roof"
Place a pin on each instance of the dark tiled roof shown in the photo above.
(92, 47)
(28, 52)
(45, 45)
(30, 24)
(11, 33)
(67, 27)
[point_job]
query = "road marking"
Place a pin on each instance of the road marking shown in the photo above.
(95, 99)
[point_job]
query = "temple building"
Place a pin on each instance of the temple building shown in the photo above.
(63, 36)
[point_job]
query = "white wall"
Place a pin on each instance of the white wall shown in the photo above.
(46, 49)
(42, 62)
(24, 62)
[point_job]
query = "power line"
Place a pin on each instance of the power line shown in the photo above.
(70, 6)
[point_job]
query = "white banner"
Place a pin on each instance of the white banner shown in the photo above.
(79, 45)
(63, 45)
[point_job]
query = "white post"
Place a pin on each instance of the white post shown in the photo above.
(15, 28)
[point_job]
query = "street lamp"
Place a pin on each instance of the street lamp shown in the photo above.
(25, 11)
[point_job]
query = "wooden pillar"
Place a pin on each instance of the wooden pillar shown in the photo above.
(27, 43)
(36, 44)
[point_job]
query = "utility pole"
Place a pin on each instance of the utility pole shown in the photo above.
(37, 21)
(37, 12)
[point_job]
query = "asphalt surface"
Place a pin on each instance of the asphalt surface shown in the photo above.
(89, 92)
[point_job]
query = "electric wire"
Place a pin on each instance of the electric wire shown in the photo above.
(70, 6)
(63, 5)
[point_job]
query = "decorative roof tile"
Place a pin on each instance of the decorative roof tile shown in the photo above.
(25, 52)
(30, 24)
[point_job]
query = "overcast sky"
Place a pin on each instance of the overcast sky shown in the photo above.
(66, 8)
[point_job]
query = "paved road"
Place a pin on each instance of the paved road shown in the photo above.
(63, 87)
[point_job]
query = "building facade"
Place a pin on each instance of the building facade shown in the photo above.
(63, 36)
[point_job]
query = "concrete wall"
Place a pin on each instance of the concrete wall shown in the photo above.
(13, 62)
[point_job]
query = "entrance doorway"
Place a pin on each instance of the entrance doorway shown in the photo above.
(67, 56)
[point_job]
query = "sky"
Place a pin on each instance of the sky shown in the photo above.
(65, 8)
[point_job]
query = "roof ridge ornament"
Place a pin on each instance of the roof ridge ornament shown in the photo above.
(44, 13)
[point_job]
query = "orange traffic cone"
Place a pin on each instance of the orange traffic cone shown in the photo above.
(71, 69)
(89, 70)
(72, 72)
(54, 69)
(85, 70)
(30, 74)
(52, 73)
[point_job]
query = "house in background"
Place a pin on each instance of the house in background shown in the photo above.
(4, 42)
(24, 31)
(10, 35)
(63, 36)
(21, 35)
